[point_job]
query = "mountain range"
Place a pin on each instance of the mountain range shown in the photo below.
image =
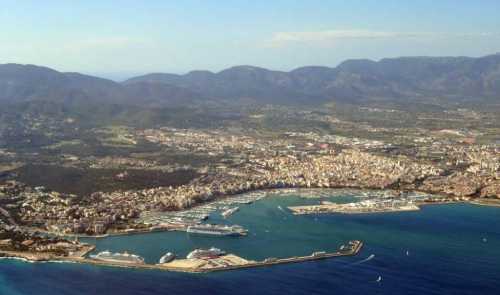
(395, 79)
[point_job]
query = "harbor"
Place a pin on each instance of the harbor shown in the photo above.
(262, 224)
(224, 207)
(362, 201)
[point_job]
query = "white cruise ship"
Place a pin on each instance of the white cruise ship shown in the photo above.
(217, 230)
(118, 257)
(205, 253)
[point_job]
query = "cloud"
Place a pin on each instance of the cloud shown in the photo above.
(280, 39)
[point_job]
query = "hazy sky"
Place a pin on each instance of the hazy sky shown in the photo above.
(114, 38)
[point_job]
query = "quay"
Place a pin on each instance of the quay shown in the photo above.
(232, 262)
(351, 208)
(380, 206)
(202, 265)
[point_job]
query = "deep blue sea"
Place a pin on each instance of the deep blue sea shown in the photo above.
(442, 249)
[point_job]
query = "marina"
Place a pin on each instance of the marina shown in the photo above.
(227, 207)
(361, 201)
(253, 223)
(200, 213)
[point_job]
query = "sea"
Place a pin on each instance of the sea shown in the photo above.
(441, 249)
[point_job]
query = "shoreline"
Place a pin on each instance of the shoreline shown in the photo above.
(489, 203)
(79, 257)
(271, 191)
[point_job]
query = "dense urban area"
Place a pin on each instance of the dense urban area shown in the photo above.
(130, 172)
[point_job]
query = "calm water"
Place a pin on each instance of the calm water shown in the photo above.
(447, 254)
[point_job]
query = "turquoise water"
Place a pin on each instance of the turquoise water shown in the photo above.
(447, 254)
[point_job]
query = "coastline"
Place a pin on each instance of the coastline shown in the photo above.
(268, 192)
(486, 202)
(46, 256)
(31, 257)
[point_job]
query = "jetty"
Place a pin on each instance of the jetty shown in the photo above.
(233, 262)
(201, 265)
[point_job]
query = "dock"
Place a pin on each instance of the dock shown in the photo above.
(203, 265)
(234, 262)
(351, 208)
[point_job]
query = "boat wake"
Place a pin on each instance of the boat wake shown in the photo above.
(18, 259)
(365, 260)
(42, 261)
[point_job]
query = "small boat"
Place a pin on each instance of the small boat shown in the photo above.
(407, 253)
(167, 258)
(229, 212)
(379, 279)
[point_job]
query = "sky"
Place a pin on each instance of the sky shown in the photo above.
(118, 39)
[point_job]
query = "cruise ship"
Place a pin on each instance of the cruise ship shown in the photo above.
(204, 253)
(118, 257)
(217, 230)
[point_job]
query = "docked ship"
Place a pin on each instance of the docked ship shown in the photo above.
(167, 258)
(205, 253)
(118, 257)
(217, 230)
(229, 212)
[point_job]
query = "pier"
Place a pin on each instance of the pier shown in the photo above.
(204, 265)
(368, 206)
